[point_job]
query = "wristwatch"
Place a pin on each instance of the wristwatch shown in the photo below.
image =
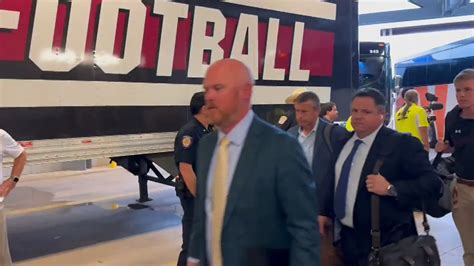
(15, 178)
(391, 190)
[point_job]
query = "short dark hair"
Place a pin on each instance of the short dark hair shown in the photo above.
(376, 95)
(197, 102)
(326, 107)
(308, 96)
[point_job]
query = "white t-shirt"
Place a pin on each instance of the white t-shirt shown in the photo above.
(9, 147)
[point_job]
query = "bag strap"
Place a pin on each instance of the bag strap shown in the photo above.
(375, 215)
(426, 225)
(375, 212)
(327, 136)
(437, 159)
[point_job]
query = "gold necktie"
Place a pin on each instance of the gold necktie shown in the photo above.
(219, 199)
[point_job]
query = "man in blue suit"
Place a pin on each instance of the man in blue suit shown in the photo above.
(256, 200)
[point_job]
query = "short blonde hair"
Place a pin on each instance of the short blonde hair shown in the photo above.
(412, 96)
(466, 74)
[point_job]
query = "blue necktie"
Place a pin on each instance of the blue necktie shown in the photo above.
(341, 190)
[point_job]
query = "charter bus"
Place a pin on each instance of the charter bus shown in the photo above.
(433, 71)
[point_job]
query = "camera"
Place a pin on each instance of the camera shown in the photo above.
(433, 105)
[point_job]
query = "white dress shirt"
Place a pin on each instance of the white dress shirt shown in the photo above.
(307, 142)
(356, 170)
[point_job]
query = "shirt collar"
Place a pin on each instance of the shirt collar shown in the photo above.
(237, 135)
(300, 131)
(368, 139)
(199, 123)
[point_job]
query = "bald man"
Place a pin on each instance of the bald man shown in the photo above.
(256, 200)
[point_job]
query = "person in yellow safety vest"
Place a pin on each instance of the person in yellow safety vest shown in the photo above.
(349, 124)
(413, 119)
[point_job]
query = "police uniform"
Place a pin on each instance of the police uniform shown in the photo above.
(287, 120)
(185, 151)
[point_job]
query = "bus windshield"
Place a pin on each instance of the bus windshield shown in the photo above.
(374, 66)
(375, 69)
(371, 72)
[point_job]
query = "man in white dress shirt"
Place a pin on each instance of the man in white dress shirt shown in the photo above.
(405, 178)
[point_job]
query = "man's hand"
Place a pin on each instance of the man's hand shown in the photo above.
(441, 146)
(6, 187)
(426, 147)
(377, 184)
(189, 177)
(325, 225)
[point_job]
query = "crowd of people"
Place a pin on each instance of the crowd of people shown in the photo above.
(254, 194)
(263, 196)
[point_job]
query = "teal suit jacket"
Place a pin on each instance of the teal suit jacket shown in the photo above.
(271, 212)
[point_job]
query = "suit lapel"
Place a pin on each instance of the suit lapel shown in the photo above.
(374, 154)
(207, 153)
(245, 167)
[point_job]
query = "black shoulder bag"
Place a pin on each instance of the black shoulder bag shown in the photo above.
(444, 168)
(420, 250)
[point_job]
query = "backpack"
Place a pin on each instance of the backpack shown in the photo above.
(327, 136)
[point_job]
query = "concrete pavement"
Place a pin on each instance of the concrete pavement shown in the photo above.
(45, 191)
(82, 218)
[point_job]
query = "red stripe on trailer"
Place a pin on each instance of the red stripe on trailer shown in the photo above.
(59, 31)
(122, 29)
(13, 42)
(151, 39)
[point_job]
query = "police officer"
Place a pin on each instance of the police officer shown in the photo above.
(185, 151)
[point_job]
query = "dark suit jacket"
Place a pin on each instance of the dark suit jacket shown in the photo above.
(271, 212)
(407, 167)
(321, 152)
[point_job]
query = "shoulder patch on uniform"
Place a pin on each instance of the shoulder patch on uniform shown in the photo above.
(282, 119)
(187, 141)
